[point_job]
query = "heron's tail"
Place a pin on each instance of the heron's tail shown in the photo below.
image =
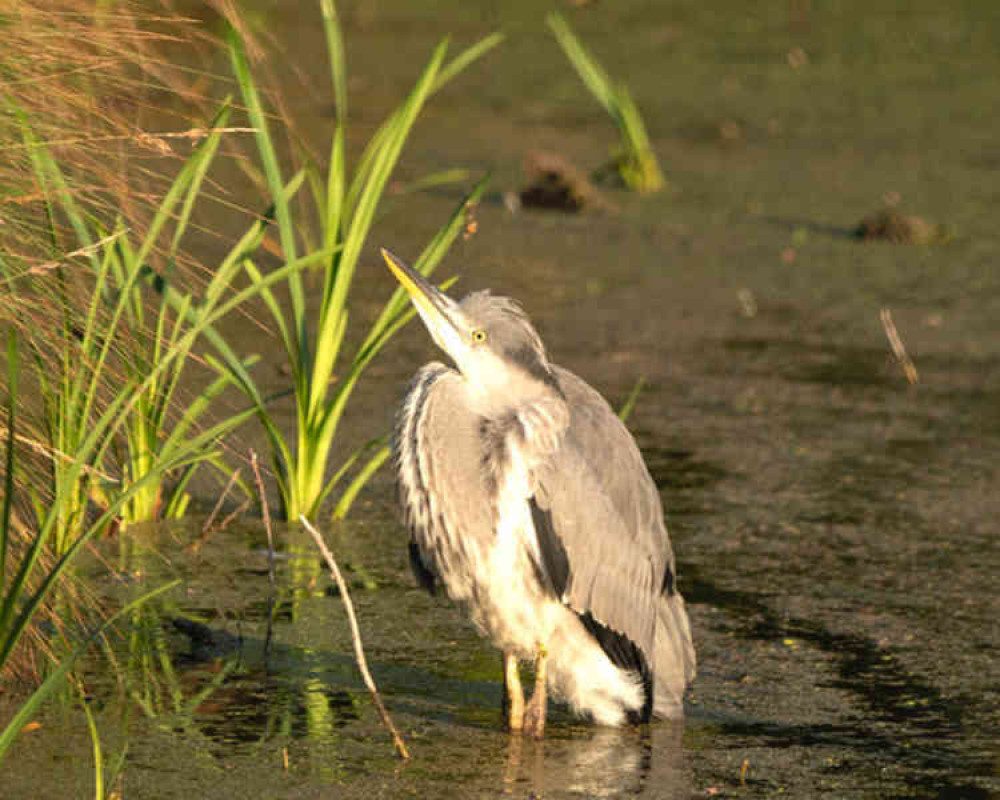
(582, 674)
(674, 660)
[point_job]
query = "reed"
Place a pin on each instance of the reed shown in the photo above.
(103, 339)
(346, 204)
(635, 160)
(27, 579)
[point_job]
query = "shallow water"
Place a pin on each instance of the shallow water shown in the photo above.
(835, 527)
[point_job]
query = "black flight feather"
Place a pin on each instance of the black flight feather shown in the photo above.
(624, 654)
(554, 559)
(424, 576)
(667, 587)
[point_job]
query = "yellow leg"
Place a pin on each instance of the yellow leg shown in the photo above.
(513, 695)
(535, 711)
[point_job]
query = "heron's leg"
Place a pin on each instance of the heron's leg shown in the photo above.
(534, 712)
(513, 694)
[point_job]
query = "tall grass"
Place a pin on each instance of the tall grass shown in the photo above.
(83, 221)
(29, 580)
(635, 160)
(103, 370)
(101, 430)
(107, 342)
(71, 211)
(103, 332)
(25, 579)
(346, 204)
(28, 583)
(90, 76)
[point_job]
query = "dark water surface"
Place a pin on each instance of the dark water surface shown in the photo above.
(836, 527)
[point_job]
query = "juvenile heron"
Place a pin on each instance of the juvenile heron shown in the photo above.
(527, 499)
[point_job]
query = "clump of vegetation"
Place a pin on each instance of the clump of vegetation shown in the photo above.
(82, 230)
(635, 161)
(99, 300)
(30, 571)
(77, 238)
(105, 341)
(345, 204)
(558, 184)
(891, 226)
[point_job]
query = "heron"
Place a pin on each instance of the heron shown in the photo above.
(528, 501)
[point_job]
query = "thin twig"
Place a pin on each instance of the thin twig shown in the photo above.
(218, 505)
(359, 652)
(270, 553)
(267, 518)
(233, 515)
(897, 346)
(143, 137)
(54, 453)
(207, 529)
(83, 251)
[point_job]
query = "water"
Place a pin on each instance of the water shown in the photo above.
(835, 526)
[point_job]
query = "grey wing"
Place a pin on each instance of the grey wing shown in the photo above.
(444, 501)
(599, 521)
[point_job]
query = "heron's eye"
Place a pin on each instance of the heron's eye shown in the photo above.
(479, 336)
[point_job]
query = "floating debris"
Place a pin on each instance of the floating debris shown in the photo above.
(896, 343)
(797, 58)
(891, 226)
(558, 184)
(748, 303)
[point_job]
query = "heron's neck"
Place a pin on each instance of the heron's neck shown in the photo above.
(517, 394)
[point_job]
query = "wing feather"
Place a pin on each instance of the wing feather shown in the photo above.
(437, 453)
(598, 505)
(600, 542)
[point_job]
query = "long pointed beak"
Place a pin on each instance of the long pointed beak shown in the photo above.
(438, 311)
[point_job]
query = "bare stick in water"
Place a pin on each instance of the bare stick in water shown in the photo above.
(270, 552)
(218, 505)
(359, 652)
(267, 519)
(897, 346)
(207, 529)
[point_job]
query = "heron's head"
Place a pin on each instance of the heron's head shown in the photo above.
(490, 338)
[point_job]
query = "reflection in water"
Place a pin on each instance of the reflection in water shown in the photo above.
(277, 687)
(599, 762)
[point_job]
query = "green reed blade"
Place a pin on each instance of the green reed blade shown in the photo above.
(351, 492)
(338, 282)
(638, 165)
(272, 173)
